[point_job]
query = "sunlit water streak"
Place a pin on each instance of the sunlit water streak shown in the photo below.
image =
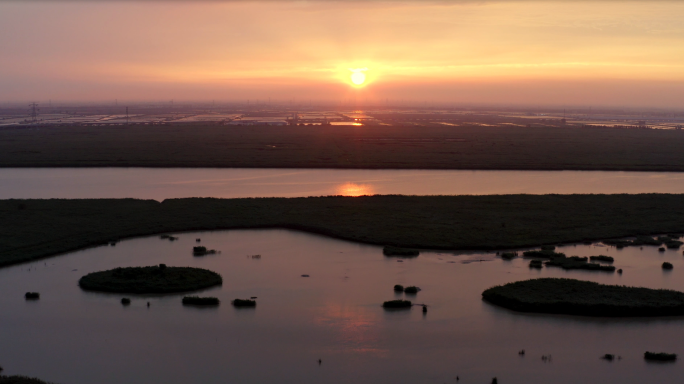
(160, 184)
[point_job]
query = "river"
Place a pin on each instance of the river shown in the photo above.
(166, 183)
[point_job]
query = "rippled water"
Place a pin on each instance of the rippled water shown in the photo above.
(72, 336)
(160, 184)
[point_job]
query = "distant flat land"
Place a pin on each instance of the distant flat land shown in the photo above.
(32, 229)
(379, 147)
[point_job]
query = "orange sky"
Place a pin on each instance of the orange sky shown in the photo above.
(515, 52)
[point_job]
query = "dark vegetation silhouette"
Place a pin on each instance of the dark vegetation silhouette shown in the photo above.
(509, 255)
(21, 380)
(557, 259)
(154, 279)
(244, 303)
(602, 258)
(411, 290)
(661, 356)
(667, 265)
(202, 251)
(32, 296)
(54, 226)
(398, 288)
(200, 301)
(125, 301)
(585, 298)
(398, 251)
(403, 304)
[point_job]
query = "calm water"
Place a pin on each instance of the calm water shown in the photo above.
(75, 337)
(160, 184)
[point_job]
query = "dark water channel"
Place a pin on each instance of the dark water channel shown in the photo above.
(74, 337)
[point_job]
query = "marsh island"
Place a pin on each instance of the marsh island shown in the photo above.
(154, 279)
(585, 298)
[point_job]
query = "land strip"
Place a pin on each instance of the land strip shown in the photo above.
(33, 229)
(429, 146)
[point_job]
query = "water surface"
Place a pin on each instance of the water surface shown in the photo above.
(76, 337)
(165, 183)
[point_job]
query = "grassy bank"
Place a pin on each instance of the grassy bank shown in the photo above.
(396, 147)
(585, 298)
(20, 380)
(32, 229)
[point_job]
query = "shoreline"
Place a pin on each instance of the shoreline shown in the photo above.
(41, 228)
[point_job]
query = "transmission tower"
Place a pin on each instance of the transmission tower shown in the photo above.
(33, 111)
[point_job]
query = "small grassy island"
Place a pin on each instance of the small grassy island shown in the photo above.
(398, 251)
(411, 290)
(202, 251)
(585, 298)
(557, 259)
(154, 279)
(201, 301)
(392, 304)
(398, 288)
(244, 303)
(660, 356)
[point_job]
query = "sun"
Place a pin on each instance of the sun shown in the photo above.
(357, 76)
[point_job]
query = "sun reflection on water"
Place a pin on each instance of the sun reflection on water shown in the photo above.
(352, 189)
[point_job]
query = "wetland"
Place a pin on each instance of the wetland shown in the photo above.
(335, 315)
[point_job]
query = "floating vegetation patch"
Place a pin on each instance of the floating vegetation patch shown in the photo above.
(154, 279)
(244, 303)
(125, 301)
(398, 251)
(557, 259)
(660, 356)
(405, 304)
(667, 265)
(585, 298)
(576, 262)
(201, 301)
(602, 258)
(411, 290)
(168, 237)
(398, 288)
(202, 251)
(32, 296)
(509, 255)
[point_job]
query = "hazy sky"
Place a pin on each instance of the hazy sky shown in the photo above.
(515, 52)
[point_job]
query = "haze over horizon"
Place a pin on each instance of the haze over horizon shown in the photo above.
(601, 53)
